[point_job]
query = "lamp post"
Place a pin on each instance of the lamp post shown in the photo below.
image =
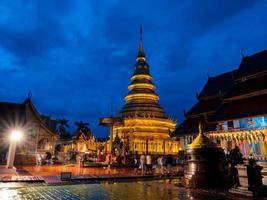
(15, 136)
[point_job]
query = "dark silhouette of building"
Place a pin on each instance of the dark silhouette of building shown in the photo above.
(39, 131)
(232, 108)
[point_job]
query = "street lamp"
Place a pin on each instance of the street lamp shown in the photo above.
(15, 136)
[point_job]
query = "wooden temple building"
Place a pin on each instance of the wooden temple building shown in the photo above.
(209, 99)
(39, 131)
(142, 126)
(232, 108)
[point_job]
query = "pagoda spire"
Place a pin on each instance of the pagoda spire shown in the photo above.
(141, 53)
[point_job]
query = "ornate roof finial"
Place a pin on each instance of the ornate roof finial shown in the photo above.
(141, 53)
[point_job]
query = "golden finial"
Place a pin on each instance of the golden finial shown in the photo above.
(141, 53)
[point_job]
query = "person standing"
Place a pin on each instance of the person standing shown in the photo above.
(142, 163)
(78, 161)
(149, 164)
(135, 164)
(160, 165)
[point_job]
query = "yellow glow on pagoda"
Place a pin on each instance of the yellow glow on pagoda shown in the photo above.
(141, 96)
(141, 85)
(148, 77)
(145, 127)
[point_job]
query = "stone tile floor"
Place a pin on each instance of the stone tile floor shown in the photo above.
(37, 193)
(51, 174)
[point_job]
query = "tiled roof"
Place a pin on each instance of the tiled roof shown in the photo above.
(11, 115)
(190, 126)
(243, 92)
(14, 114)
(243, 108)
(204, 106)
(252, 65)
(247, 87)
(217, 85)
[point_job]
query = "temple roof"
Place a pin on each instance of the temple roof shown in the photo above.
(252, 65)
(247, 87)
(204, 106)
(85, 135)
(248, 96)
(190, 126)
(217, 85)
(210, 99)
(241, 93)
(14, 114)
(242, 108)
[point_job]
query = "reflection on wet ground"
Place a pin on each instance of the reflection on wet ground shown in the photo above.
(156, 190)
(54, 170)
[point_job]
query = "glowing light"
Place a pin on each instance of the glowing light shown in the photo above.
(7, 194)
(141, 59)
(141, 76)
(141, 85)
(130, 97)
(149, 122)
(16, 135)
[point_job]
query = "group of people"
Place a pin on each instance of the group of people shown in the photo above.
(161, 164)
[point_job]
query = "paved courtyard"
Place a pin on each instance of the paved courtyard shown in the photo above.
(51, 173)
(55, 170)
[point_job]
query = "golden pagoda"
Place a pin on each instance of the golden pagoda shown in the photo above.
(144, 127)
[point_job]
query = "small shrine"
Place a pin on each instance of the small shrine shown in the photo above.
(204, 164)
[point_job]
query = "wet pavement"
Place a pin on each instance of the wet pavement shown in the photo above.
(135, 190)
(55, 170)
(51, 174)
(108, 188)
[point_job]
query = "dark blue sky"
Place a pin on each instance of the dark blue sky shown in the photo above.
(76, 57)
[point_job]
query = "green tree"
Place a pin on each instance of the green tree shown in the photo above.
(62, 128)
(84, 128)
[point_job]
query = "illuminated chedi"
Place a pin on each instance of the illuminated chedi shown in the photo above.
(143, 126)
